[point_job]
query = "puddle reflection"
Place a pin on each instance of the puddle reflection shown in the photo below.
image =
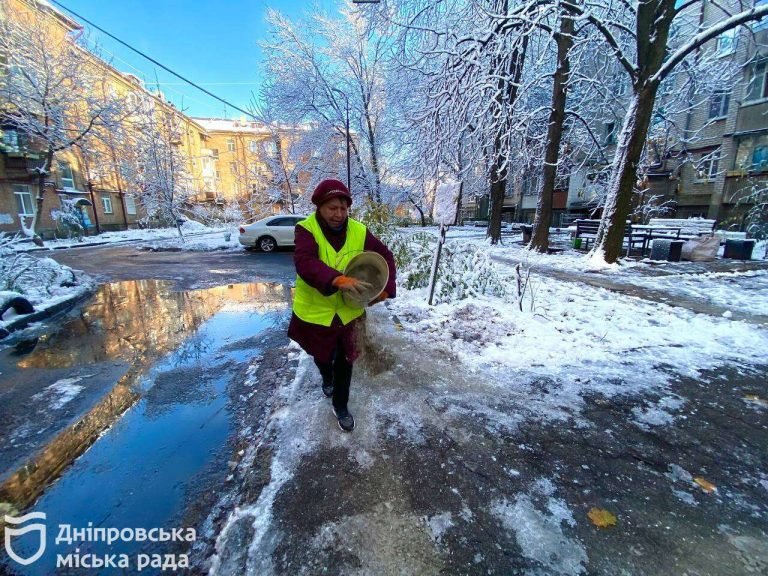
(139, 322)
(135, 319)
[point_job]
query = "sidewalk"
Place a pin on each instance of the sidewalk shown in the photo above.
(457, 470)
(630, 283)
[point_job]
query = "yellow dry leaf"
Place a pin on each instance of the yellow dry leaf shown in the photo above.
(708, 487)
(757, 399)
(601, 518)
(398, 326)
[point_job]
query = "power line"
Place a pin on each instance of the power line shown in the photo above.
(166, 86)
(140, 53)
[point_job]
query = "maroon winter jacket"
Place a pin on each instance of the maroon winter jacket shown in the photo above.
(318, 341)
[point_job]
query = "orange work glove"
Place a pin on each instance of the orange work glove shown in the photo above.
(349, 284)
(380, 298)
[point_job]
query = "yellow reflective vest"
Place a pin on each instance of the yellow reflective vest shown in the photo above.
(308, 303)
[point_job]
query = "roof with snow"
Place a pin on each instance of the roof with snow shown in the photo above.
(223, 125)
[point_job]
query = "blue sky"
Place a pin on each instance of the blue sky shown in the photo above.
(212, 42)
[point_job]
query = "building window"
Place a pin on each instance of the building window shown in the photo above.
(67, 177)
(215, 153)
(230, 144)
(718, 104)
(270, 148)
(757, 87)
(106, 203)
(707, 168)
(233, 167)
(253, 146)
(11, 140)
(759, 158)
(751, 152)
(218, 174)
(726, 43)
(254, 188)
(24, 200)
(130, 204)
(530, 184)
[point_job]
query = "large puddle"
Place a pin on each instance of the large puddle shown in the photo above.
(135, 454)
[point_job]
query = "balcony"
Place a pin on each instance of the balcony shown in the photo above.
(22, 164)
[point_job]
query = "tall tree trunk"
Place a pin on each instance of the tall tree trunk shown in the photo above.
(654, 18)
(420, 210)
(45, 170)
(374, 160)
(618, 203)
(543, 219)
(505, 100)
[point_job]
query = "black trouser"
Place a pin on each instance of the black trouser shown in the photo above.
(341, 372)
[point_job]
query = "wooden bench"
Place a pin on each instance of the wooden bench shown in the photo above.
(587, 231)
(689, 227)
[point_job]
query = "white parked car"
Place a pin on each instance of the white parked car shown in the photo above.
(271, 232)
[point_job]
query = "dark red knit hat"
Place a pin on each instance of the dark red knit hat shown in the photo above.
(328, 189)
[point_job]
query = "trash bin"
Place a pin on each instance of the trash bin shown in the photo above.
(527, 233)
(738, 249)
(669, 250)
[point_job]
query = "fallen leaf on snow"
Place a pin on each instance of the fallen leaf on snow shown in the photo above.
(708, 487)
(755, 398)
(601, 518)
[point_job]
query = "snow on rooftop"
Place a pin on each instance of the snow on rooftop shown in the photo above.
(224, 125)
(246, 126)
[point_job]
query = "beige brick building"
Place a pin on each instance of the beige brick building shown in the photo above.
(222, 161)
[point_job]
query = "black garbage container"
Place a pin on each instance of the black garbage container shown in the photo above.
(738, 249)
(669, 250)
(527, 233)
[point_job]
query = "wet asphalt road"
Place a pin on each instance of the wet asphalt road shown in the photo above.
(138, 386)
(188, 270)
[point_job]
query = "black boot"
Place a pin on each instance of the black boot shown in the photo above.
(328, 386)
(345, 419)
(326, 371)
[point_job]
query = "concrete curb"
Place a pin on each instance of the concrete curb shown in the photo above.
(58, 308)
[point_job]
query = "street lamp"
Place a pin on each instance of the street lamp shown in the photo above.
(346, 102)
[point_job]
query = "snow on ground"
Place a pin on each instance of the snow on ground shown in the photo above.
(60, 392)
(588, 337)
(485, 360)
(212, 240)
(570, 329)
(190, 228)
(744, 291)
(42, 281)
(540, 535)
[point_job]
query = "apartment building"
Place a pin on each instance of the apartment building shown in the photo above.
(719, 154)
(241, 154)
(215, 160)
